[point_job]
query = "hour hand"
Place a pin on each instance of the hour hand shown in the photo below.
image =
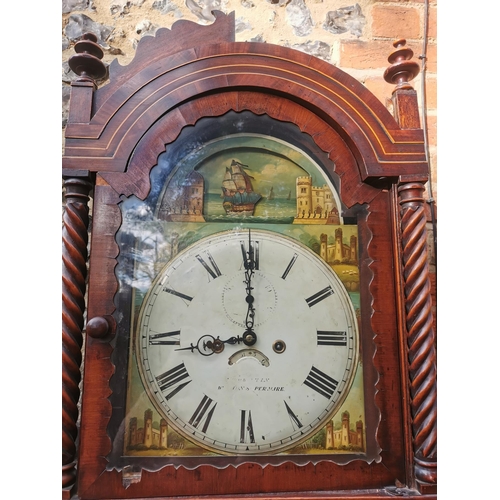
(232, 340)
(249, 338)
(208, 345)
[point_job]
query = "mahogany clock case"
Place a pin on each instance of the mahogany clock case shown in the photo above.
(382, 434)
(126, 141)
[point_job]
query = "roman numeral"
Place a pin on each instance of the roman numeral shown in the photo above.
(153, 339)
(246, 425)
(292, 416)
(253, 252)
(318, 297)
(332, 338)
(173, 377)
(200, 412)
(214, 270)
(177, 294)
(321, 382)
(290, 264)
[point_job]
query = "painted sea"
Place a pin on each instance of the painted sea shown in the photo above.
(275, 211)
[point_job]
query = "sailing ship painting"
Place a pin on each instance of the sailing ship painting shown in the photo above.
(238, 195)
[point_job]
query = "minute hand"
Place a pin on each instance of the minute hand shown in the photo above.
(249, 337)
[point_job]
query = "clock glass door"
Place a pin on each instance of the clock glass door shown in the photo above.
(239, 274)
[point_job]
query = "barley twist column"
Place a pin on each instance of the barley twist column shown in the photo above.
(417, 288)
(87, 64)
(419, 323)
(74, 272)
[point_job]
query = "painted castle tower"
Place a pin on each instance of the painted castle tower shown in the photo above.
(147, 435)
(345, 437)
(183, 202)
(338, 252)
(315, 204)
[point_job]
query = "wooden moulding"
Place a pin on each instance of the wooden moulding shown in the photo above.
(412, 234)
(126, 107)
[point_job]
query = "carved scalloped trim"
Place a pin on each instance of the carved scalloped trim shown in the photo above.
(157, 146)
(374, 220)
(119, 183)
(99, 353)
(136, 179)
(371, 266)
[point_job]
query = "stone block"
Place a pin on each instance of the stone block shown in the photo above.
(396, 22)
(380, 88)
(364, 55)
(432, 23)
(431, 92)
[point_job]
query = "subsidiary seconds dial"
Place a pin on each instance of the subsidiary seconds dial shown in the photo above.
(247, 343)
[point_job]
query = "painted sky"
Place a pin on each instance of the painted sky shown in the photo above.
(272, 163)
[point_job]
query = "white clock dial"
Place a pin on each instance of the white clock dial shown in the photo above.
(203, 374)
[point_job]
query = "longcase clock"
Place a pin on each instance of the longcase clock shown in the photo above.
(258, 314)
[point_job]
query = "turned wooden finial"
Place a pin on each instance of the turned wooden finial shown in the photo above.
(402, 69)
(86, 63)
